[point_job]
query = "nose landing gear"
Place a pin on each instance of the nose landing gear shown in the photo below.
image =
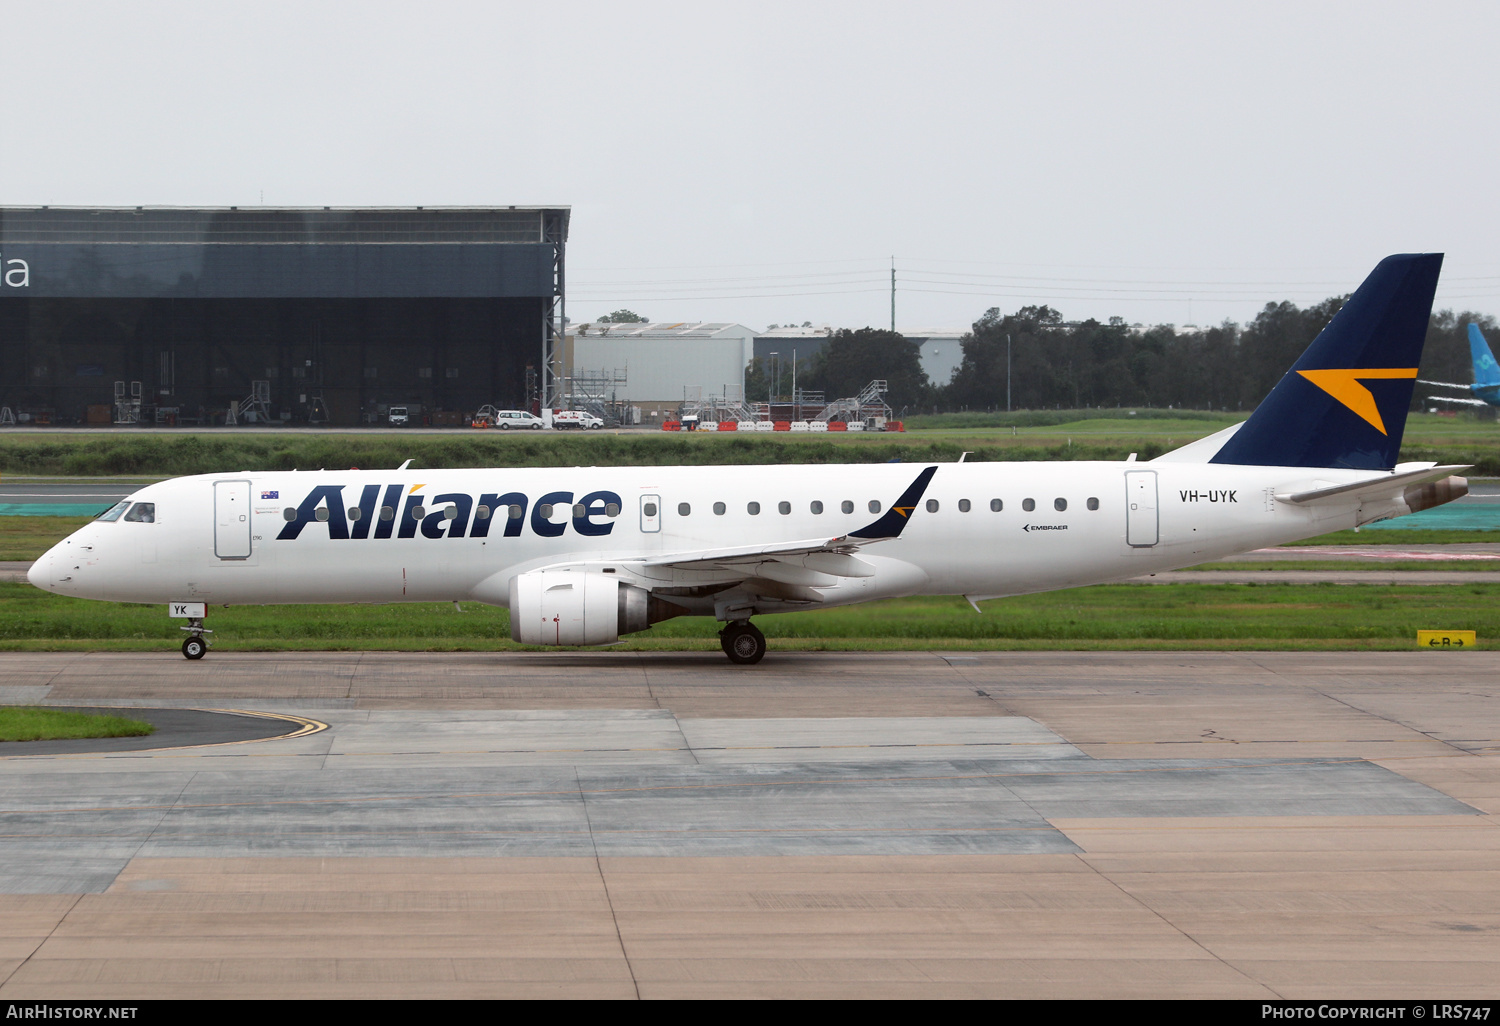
(743, 642)
(195, 645)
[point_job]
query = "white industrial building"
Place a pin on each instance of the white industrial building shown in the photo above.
(942, 351)
(656, 365)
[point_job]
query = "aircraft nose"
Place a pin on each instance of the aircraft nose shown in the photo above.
(40, 572)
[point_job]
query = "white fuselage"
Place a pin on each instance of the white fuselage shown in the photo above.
(225, 539)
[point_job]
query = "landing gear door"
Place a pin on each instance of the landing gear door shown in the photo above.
(650, 514)
(1142, 523)
(232, 519)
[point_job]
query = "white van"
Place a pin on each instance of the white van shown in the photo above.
(396, 416)
(507, 419)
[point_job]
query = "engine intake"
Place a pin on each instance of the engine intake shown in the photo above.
(574, 607)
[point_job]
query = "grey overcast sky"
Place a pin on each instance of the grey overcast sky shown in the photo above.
(762, 162)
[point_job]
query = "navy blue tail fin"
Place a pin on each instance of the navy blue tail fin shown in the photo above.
(1344, 403)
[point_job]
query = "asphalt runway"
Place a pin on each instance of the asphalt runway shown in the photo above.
(1257, 825)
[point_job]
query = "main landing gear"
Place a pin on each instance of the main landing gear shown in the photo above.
(743, 642)
(196, 645)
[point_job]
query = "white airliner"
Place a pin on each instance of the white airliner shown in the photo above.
(584, 555)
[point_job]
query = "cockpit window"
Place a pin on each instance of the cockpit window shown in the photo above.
(142, 513)
(113, 513)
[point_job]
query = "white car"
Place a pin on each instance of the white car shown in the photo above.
(575, 419)
(507, 419)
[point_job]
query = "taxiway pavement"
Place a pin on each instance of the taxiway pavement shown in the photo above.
(823, 824)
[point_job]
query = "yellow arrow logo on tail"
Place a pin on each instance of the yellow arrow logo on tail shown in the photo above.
(905, 511)
(1344, 386)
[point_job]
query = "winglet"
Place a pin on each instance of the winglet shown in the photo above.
(895, 519)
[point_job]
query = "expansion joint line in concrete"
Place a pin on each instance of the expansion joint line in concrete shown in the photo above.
(159, 821)
(1185, 935)
(1391, 720)
(30, 954)
(608, 899)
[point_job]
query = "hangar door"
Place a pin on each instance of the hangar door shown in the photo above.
(1141, 521)
(232, 519)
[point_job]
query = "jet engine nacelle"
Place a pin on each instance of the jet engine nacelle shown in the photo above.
(575, 607)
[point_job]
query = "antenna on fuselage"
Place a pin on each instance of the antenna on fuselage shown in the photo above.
(964, 455)
(405, 465)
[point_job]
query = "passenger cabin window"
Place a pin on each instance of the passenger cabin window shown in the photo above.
(847, 506)
(683, 509)
(142, 513)
(783, 508)
(753, 508)
(1028, 504)
(963, 505)
(816, 507)
(874, 505)
(290, 513)
(417, 513)
(514, 511)
(1060, 504)
(932, 505)
(649, 509)
(320, 514)
(1093, 503)
(612, 509)
(355, 513)
(450, 512)
(112, 514)
(387, 513)
(482, 513)
(996, 505)
(719, 508)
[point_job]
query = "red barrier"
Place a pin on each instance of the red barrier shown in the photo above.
(671, 425)
(782, 425)
(728, 425)
(894, 425)
(837, 425)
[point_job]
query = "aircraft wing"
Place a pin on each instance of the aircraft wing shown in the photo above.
(749, 555)
(832, 556)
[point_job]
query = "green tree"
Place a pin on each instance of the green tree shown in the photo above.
(852, 359)
(622, 317)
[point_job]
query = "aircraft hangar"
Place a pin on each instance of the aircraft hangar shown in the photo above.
(323, 315)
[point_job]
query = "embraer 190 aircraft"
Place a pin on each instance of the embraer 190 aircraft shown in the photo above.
(1486, 387)
(583, 555)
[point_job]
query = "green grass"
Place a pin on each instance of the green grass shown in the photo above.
(28, 723)
(1107, 616)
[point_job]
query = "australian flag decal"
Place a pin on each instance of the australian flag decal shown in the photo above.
(270, 495)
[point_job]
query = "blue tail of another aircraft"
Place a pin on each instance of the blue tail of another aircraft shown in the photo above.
(1486, 371)
(1344, 402)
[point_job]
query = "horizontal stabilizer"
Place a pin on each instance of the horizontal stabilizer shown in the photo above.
(1386, 485)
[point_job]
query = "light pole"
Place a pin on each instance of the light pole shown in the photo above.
(776, 378)
(1007, 372)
